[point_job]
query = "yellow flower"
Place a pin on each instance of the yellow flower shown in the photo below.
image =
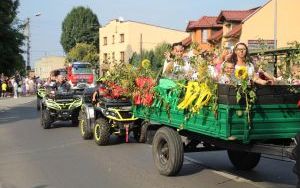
(146, 64)
(241, 73)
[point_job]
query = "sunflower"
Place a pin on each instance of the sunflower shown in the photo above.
(241, 73)
(146, 64)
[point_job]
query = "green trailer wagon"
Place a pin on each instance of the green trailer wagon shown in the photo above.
(275, 122)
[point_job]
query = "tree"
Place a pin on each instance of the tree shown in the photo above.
(156, 56)
(81, 25)
(11, 39)
(85, 53)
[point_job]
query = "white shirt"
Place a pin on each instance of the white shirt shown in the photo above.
(176, 67)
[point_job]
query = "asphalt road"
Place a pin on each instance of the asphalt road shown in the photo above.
(32, 157)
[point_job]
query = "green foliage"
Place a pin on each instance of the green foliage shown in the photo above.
(81, 25)
(85, 53)
(156, 56)
(11, 39)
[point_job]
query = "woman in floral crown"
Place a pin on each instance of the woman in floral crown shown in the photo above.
(243, 67)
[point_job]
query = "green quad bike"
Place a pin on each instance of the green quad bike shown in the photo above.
(111, 116)
(62, 106)
(40, 94)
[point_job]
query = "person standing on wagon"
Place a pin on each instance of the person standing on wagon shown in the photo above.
(240, 57)
(176, 62)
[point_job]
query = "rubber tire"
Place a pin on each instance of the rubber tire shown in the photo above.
(38, 104)
(144, 128)
(136, 133)
(242, 160)
(296, 155)
(85, 132)
(101, 132)
(75, 118)
(46, 119)
(173, 164)
(147, 133)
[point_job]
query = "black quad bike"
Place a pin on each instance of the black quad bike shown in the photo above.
(107, 117)
(62, 106)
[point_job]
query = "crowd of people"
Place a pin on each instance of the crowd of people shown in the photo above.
(17, 85)
(222, 68)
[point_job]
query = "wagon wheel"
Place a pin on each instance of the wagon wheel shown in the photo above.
(167, 151)
(296, 156)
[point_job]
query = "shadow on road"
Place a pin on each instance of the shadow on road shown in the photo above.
(18, 113)
(268, 170)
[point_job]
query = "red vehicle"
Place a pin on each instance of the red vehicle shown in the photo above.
(80, 75)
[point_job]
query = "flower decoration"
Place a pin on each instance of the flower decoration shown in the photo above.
(146, 64)
(241, 73)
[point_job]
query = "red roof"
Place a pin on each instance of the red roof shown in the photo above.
(235, 32)
(203, 22)
(234, 15)
(187, 41)
(217, 36)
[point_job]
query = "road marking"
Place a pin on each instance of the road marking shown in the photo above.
(4, 118)
(224, 174)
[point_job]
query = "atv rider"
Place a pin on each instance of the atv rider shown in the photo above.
(100, 91)
(61, 84)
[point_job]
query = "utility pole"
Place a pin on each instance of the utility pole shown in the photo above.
(28, 44)
(141, 44)
(27, 31)
(275, 37)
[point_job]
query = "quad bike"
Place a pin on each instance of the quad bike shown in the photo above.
(40, 94)
(60, 106)
(108, 116)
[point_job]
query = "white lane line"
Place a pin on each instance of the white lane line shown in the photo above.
(224, 174)
(4, 118)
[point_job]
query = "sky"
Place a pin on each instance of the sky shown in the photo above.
(46, 29)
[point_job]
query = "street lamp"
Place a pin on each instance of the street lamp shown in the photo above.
(27, 30)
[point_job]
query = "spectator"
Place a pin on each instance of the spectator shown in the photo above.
(1, 87)
(27, 85)
(4, 88)
(15, 87)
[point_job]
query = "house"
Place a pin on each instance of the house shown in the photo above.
(201, 30)
(45, 65)
(231, 21)
(120, 39)
(275, 23)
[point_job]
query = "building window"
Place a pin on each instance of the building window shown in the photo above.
(121, 38)
(113, 39)
(113, 56)
(104, 41)
(122, 56)
(105, 58)
(228, 27)
(204, 35)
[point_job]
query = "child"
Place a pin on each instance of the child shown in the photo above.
(4, 88)
(295, 70)
(227, 73)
